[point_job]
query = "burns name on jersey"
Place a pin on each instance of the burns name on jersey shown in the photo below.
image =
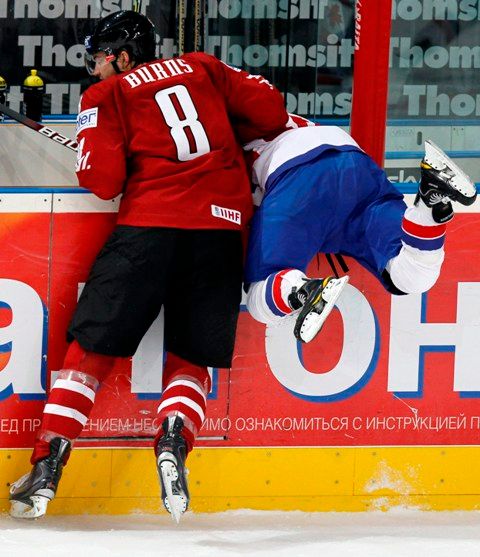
(157, 71)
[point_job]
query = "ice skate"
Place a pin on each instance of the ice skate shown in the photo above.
(172, 451)
(30, 495)
(316, 298)
(443, 181)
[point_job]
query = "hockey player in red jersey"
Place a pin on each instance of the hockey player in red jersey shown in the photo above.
(322, 193)
(158, 132)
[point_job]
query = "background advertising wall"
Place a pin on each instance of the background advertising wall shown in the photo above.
(384, 371)
(305, 48)
(390, 384)
(433, 84)
(435, 58)
(48, 36)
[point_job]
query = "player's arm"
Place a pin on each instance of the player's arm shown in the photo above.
(101, 158)
(256, 108)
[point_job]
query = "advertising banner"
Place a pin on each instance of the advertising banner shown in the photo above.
(434, 59)
(304, 47)
(384, 370)
(24, 281)
(49, 36)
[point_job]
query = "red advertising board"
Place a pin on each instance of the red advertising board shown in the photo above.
(384, 370)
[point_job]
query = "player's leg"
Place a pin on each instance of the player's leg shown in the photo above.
(293, 223)
(181, 413)
(70, 401)
(417, 267)
(290, 291)
(121, 298)
(268, 299)
(201, 314)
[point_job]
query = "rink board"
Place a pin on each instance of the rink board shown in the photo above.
(384, 372)
(119, 481)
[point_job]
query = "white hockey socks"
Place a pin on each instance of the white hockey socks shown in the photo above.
(417, 267)
(267, 300)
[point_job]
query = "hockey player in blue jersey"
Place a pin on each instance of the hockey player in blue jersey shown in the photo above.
(322, 193)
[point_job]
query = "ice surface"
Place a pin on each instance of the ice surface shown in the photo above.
(405, 533)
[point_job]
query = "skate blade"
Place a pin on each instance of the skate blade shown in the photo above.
(21, 510)
(437, 159)
(314, 321)
(175, 503)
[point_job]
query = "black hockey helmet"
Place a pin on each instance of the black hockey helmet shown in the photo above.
(122, 30)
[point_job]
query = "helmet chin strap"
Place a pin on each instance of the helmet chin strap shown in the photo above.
(115, 67)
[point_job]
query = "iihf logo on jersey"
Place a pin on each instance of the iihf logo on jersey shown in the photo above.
(228, 214)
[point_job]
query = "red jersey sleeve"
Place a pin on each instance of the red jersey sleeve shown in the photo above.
(101, 158)
(256, 108)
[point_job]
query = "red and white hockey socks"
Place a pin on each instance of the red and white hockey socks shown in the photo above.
(71, 397)
(69, 404)
(267, 300)
(417, 267)
(185, 394)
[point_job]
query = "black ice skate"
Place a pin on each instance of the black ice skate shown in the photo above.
(171, 453)
(30, 495)
(443, 181)
(316, 298)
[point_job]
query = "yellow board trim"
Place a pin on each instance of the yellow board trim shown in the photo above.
(121, 481)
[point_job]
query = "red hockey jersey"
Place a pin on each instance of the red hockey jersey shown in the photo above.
(162, 136)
